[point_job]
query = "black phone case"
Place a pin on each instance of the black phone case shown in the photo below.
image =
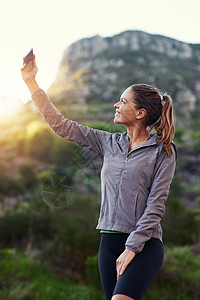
(28, 57)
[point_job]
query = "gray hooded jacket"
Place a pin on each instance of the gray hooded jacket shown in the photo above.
(134, 185)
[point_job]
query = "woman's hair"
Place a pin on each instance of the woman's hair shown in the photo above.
(159, 112)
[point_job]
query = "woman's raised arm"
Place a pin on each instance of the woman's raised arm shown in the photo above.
(93, 139)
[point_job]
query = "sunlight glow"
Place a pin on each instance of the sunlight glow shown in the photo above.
(9, 108)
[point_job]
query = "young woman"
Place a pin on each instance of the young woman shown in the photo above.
(137, 171)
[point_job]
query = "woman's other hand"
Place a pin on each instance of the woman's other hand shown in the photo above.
(123, 260)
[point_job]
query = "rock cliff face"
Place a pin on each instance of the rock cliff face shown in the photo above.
(96, 69)
(132, 40)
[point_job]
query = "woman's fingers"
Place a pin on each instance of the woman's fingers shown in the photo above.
(30, 65)
(121, 268)
(29, 70)
(123, 260)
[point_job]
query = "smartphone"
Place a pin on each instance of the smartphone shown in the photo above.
(28, 57)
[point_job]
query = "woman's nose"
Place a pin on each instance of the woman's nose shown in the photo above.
(116, 104)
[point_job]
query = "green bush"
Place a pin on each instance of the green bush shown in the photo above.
(14, 229)
(40, 140)
(181, 225)
(179, 135)
(42, 227)
(55, 187)
(92, 271)
(28, 175)
(9, 186)
(75, 237)
(26, 278)
(179, 277)
(49, 177)
(63, 151)
(195, 136)
(20, 143)
(107, 126)
(69, 231)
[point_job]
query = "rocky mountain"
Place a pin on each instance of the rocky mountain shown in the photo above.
(94, 71)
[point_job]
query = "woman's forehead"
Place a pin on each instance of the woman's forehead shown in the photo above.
(127, 94)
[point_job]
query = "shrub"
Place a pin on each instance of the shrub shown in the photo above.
(181, 225)
(55, 187)
(92, 271)
(63, 151)
(25, 278)
(40, 141)
(107, 126)
(20, 143)
(75, 237)
(179, 277)
(195, 135)
(179, 135)
(10, 186)
(28, 175)
(14, 229)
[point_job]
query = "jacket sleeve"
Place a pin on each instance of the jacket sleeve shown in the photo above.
(155, 205)
(93, 139)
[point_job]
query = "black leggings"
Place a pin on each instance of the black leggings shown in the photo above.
(139, 273)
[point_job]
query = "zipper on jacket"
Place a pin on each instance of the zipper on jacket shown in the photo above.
(128, 154)
(136, 149)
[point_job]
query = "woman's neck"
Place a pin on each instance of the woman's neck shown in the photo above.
(137, 137)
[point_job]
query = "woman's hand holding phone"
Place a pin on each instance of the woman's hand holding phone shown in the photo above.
(28, 57)
(29, 71)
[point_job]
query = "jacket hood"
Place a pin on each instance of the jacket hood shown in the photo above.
(150, 142)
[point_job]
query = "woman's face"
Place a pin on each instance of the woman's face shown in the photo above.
(126, 112)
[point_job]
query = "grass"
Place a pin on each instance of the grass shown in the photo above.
(22, 277)
(179, 277)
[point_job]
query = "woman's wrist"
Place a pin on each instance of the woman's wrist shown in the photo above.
(32, 85)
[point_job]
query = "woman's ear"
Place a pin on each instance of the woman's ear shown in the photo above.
(141, 113)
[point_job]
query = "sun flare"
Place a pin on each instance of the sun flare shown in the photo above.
(9, 107)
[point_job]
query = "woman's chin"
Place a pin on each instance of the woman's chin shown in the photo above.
(116, 120)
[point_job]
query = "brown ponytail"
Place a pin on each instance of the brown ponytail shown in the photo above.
(165, 126)
(159, 112)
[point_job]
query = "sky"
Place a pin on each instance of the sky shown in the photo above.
(49, 27)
